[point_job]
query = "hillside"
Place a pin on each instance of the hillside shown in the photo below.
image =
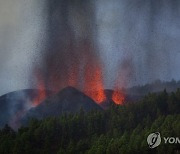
(68, 100)
(120, 129)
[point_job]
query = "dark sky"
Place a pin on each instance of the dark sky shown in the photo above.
(137, 39)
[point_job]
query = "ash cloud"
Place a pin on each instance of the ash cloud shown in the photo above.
(57, 37)
(71, 44)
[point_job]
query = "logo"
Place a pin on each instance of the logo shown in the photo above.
(154, 140)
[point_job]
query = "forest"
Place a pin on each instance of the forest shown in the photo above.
(119, 129)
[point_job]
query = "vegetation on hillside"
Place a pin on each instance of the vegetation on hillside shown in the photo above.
(120, 129)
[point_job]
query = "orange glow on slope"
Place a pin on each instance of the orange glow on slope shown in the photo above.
(118, 97)
(41, 94)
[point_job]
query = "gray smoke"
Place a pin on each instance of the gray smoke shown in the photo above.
(54, 35)
(71, 48)
(147, 31)
(21, 34)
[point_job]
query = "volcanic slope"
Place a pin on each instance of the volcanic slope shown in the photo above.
(68, 100)
(16, 102)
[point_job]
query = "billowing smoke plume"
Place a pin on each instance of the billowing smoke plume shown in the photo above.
(71, 56)
(61, 38)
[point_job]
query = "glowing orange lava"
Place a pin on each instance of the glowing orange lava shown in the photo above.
(85, 75)
(118, 97)
(94, 83)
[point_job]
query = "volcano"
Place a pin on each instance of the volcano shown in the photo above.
(18, 106)
(68, 100)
